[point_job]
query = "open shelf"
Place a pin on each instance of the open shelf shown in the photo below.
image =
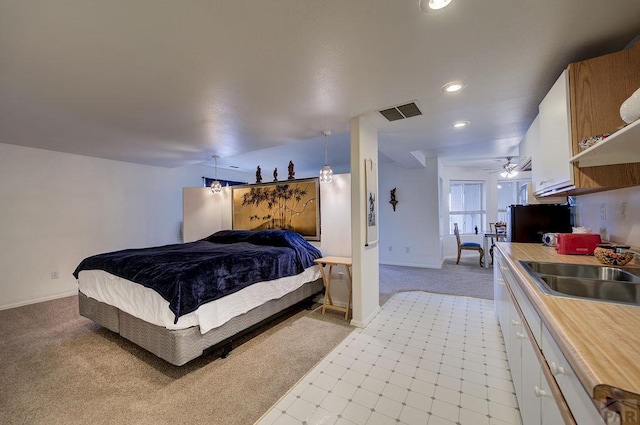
(622, 147)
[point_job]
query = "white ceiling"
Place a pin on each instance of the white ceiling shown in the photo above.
(169, 83)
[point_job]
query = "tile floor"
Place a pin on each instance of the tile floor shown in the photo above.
(425, 359)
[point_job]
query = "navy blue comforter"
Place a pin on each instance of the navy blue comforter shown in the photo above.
(191, 274)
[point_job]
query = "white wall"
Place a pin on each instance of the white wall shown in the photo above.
(59, 208)
(410, 236)
(335, 211)
(205, 212)
(621, 220)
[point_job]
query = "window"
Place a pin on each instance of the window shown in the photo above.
(509, 193)
(466, 206)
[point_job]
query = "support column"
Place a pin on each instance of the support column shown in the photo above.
(366, 291)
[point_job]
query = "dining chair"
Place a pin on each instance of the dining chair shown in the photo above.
(501, 231)
(471, 246)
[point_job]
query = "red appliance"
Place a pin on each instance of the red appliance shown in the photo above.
(577, 243)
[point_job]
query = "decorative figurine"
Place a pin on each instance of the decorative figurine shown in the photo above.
(292, 173)
(275, 174)
(393, 200)
(258, 175)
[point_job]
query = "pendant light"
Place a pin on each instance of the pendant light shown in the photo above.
(326, 173)
(216, 186)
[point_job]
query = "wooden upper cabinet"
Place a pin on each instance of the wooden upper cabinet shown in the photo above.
(598, 87)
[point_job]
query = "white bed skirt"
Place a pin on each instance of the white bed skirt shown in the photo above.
(146, 304)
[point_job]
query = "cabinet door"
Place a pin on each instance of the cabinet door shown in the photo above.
(577, 398)
(532, 392)
(530, 143)
(550, 410)
(552, 170)
(498, 289)
(502, 299)
(505, 314)
(514, 350)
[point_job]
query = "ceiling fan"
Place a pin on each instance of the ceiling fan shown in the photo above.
(509, 169)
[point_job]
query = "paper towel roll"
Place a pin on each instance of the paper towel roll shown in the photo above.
(630, 108)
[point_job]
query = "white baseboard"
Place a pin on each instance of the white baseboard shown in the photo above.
(39, 300)
(363, 323)
(420, 266)
(338, 303)
(454, 257)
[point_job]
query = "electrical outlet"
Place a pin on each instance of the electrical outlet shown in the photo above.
(407, 250)
(55, 274)
(603, 211)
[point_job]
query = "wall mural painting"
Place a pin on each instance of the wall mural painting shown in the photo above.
(371, 191)
(287, 205)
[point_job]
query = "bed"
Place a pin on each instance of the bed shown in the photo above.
(180, 301)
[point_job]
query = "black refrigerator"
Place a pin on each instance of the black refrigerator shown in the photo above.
(527, 223)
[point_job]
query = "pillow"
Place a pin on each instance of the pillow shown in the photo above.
(306, 252)
(229, 236)
(259, 237)
(275, 238)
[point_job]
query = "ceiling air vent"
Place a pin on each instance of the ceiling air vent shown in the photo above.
(401, 112)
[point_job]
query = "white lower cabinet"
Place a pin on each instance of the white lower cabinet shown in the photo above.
(535, 399)
(584, 411)
(548, 392)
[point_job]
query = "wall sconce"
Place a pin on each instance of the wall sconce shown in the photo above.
(393, 200)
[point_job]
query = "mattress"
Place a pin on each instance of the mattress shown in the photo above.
(146, 304)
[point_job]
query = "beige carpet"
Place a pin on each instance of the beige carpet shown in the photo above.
(466, 279)
(60, 368)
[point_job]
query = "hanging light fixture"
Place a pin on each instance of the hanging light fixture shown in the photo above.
(509, 169)
(216, 186)
(326, 173)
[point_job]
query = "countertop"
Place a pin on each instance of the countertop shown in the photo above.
(601, 340)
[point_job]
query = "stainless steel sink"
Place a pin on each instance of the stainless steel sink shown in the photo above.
(608, 290)
(581, 270)
(603, 283)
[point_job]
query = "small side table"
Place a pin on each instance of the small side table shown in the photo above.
(326, 278)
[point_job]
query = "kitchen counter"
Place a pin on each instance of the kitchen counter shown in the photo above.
(601, 340)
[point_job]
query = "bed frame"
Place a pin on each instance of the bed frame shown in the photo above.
(180, 346)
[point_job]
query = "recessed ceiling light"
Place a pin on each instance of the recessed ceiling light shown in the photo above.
(432, 6)
(438, 4)
(460, 124)
(453, 87)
